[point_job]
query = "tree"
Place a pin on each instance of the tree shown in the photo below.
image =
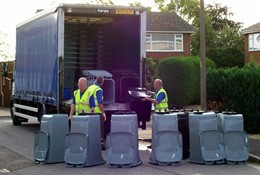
(5, 48)
(210, 36)
(220, 17)
(100, 2)
(220, 30)
(139, 4)
(189, 10)
(227, 31)
(136, 4)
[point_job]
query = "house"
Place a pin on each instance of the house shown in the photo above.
(167, 35)
(252, 43)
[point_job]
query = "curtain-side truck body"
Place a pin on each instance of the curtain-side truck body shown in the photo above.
(58, 46)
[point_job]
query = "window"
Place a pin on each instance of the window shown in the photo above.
(254, 42)
(164, 42)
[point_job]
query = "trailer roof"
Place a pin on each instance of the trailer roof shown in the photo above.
(87, 8)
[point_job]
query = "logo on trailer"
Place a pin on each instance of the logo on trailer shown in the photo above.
(102, 10)
(125, 11)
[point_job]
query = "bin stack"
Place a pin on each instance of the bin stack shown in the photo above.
(217, 138)
(166, 140)
(235, 139)
(122, 141)
(49, 143)
(205, 139)
(109, 83)
(83, 143)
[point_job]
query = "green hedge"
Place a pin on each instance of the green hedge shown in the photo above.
(237, 89)
(181, 78)
(227, 57)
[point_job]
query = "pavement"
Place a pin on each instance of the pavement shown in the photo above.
(145, 135)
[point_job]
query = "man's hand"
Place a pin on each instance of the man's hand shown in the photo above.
(145, 99)
(70, 117)
(104, 117)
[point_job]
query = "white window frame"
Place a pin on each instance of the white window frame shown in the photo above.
(177, 38)
(254, 42)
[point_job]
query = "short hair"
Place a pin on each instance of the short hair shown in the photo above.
(83, 79)
(99, 80)
(159, 81)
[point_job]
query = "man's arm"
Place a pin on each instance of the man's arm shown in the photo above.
(92, 103)
(157, 100)
(72, 110)
(100, 104)
(150, 92)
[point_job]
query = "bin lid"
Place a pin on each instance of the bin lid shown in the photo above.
(96, 73)
(138, 92)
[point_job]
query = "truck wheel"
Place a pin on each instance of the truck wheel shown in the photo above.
(41, 112)
(14, 118)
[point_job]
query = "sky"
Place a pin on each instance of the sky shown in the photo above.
(14, 12)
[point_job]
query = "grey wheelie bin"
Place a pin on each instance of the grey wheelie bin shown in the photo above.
(166, 140)
(83, 143)
(122, 141)
(49, 144)
(206, 145)
(235, 139)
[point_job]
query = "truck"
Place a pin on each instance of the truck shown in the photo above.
(56, 47)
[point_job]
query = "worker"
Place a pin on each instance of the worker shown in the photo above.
(80, 104)
(95, 94)
(160, 99)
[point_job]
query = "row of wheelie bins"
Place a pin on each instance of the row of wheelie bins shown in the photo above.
(81, 147)
(203, 138)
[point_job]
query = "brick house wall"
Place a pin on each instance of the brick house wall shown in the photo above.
(251, 55)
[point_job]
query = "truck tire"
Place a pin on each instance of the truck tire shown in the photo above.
(42, 111)
(14, 118)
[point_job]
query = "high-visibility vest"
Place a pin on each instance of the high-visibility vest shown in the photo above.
(92, 90)
(81, 104)
(163, 105)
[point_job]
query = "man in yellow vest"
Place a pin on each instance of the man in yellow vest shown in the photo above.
(95, 94)
(160, 97)
(80, 104)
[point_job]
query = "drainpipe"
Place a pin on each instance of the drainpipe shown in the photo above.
(2, 93)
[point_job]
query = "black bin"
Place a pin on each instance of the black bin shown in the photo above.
(183, 126)
(141, 108)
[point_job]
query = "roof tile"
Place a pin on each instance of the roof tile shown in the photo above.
(251, 29)
(167, 21)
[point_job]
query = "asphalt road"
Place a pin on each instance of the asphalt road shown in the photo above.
(16, 157)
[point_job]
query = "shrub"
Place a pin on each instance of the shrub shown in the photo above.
(237, 89)
(227, 57)
(181, 77)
